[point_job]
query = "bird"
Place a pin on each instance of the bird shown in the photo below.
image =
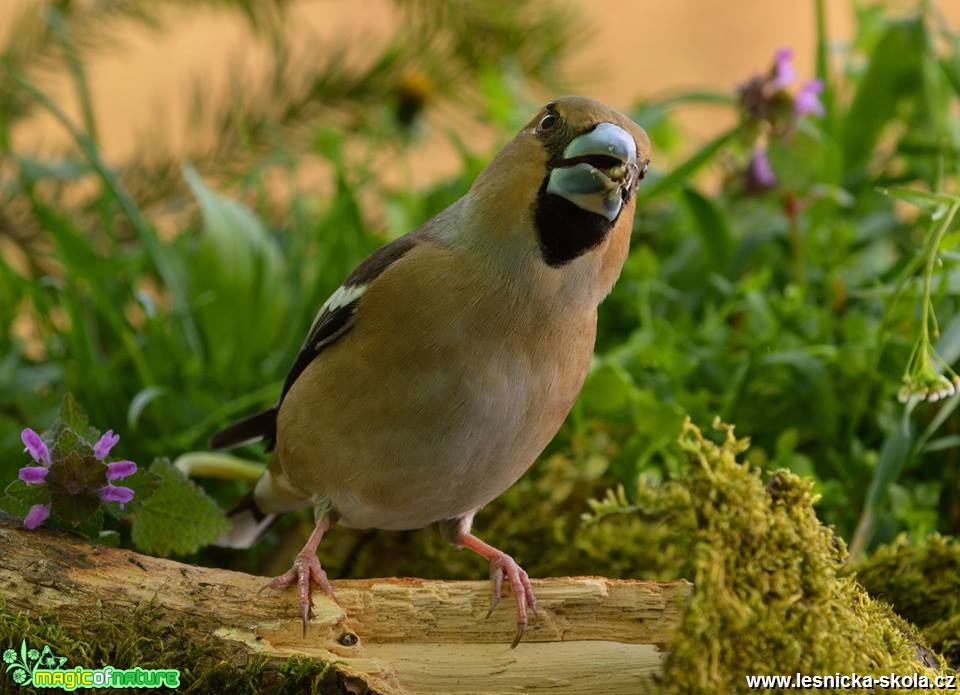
(445, 363)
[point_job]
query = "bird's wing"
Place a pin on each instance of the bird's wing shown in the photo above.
(336, 315)
(334, 319)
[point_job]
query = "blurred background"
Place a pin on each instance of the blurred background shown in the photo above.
(175, 173)
(144, 88)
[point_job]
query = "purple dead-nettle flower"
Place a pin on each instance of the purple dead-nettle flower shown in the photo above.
(38, 474)
(105, 444)
(767, 102)
(759, 174)
(120, 469)
(35, 446)
(115, 471)
(37, 515)
(115, 493)
(783, 71)
(807, 101)
(34, 475)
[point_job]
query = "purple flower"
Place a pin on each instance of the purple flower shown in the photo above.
(74, 469)
(783, 71)
(34, 475)
(37, 515)
(78, 477)
(106, 443)
(35, 446)
(115, 493)
(120, 469)
(807, 100)
(759, 173)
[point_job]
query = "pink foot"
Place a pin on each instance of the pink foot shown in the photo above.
(502, 564)
(305, 573)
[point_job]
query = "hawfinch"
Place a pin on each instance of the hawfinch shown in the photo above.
(445, 363)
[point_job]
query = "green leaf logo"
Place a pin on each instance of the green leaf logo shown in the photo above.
(22, 666)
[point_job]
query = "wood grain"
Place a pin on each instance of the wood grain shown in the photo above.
(414, 636)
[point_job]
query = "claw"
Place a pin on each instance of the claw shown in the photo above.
(518, 636)
(531, 598)
(496, 576)
(305, 573)
(502, 564)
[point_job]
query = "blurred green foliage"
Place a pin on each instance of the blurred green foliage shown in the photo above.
(792, 310)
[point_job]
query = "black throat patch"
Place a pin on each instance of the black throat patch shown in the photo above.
(565, 231)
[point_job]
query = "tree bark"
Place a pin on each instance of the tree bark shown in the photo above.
(413, 636)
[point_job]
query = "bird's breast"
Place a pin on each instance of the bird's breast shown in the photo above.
(438, 399)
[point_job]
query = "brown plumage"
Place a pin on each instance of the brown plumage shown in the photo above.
(448, 360)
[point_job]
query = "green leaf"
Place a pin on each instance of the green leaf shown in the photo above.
(896, 452)
(74, 478)
(143, 483)
(68, 442)
(894, 72)
(72, 419)
(72, 415)
(140, 401)
(109, 538)
(942, 443)
(713, 226)
(682, 172)
(808, 158)
(19, 497)
(74, 466)
(609, 389)
(89, 525)
(922, 199)
(179, 517)
(238, 276)
(74, 511)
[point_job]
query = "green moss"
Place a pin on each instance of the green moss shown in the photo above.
(769, 596)
(143, 639)
(922, 582)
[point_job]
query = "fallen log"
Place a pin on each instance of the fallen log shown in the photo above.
(388, 636)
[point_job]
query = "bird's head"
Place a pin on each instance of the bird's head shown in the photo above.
(565, 183)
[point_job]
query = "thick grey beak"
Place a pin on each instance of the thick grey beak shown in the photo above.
(596, 168)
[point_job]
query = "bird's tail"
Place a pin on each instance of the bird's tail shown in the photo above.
(247, 524)
(263, 425)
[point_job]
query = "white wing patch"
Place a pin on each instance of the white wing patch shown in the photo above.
(344, 295)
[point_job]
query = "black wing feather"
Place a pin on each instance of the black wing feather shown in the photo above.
(330, 326)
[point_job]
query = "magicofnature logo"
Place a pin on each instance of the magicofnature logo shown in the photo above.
(44, 669)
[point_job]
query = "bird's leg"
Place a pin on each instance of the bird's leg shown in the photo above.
(306, 572)
(502, 564)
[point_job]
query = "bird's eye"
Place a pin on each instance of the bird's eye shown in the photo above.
(548, 121)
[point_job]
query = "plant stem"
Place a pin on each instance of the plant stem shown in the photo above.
(823, 64)
(931, 258)
(791, 208)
